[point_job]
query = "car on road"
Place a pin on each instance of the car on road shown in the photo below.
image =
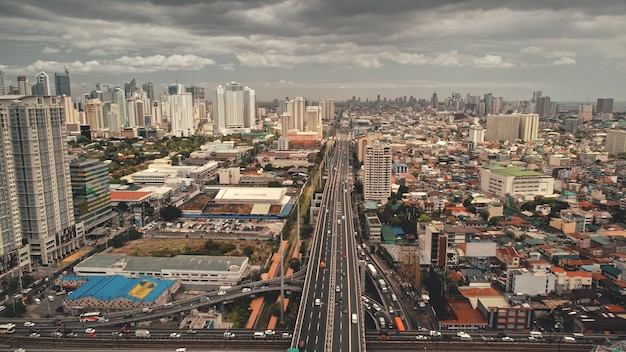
(175, 335)
(34, 334)
(390, 310)
(507, 339)
(287, 335)
(221, 293)
(318, 302)
(29, 324)
(246, 289)
(90, 331)
(270, 332)
(190, 331)
(435, 333)
(421, 337)
(337, 289)
(229, 335)
(181, 349)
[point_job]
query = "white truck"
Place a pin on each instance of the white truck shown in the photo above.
(142, 333)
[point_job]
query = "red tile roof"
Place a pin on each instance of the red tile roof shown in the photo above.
(129, 196)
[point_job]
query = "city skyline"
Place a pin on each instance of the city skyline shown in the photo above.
(324, 48)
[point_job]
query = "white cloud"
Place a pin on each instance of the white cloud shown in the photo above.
(124, 64)
(491, 61)
(49, 50)
(228, 67)
(564, 61)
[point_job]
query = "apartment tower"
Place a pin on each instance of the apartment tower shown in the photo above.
(37, 177)
(377, 165)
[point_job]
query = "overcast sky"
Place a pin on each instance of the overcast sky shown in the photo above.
(569, 49)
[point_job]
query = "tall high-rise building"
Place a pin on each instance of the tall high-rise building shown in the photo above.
(119, 98)
(91, 194)
(62, 83)
(324, 106)
(476, 134)
(197, 93)
(234, 109)
(297, 108)
(604, 106)
(543, 106)
(377, 165)
(130, 88)
(38, 176)
(23, 85)
(3, 87)
(181, 113)
(512, 127)
(488, 101)
(615, 141)
(286, 124)
(175, 88)
(94, 115)
(149, 89)
(313, 120)
(42, 85)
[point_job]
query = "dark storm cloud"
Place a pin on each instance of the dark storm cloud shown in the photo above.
(390, 36)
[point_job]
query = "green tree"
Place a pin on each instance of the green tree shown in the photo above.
(170, 213)
(248, 251)
(424, 218)
(484, 214)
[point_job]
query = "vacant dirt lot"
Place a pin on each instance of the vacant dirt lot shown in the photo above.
(166, 247)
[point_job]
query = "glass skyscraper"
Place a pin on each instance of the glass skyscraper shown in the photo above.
(62, 83)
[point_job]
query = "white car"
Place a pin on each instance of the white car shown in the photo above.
(182, 349)
(246, 289)
(29, 324)
(507, 339)
(270, 332)
(90, 331)
(221, 293)
(435, 333)
(175, 335)
(421, 337)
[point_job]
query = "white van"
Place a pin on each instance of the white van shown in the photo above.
(393, 297)
(259, 335)
(354, 319)
(569, 339)
(536, 334)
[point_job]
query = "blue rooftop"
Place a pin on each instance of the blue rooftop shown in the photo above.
(397, 230)
(106, 288)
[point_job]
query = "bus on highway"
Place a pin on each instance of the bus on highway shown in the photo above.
(92, 316)
(399, 323)
(8, 328)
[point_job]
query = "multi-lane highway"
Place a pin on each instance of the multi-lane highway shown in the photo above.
(331, 317)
